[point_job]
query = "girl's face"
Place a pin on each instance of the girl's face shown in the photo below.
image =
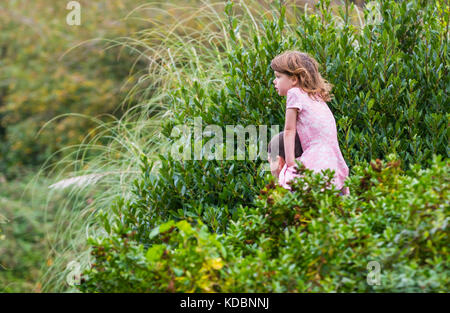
(283, 83)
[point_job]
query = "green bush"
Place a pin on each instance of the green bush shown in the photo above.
(391, 97)
(181, 258)
(294, 242)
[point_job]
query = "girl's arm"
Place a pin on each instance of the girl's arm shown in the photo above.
(290, 128)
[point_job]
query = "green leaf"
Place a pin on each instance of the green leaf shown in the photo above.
(166, 226)
(155, 252)
(154, 232)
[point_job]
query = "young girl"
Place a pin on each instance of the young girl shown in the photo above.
(298, 78)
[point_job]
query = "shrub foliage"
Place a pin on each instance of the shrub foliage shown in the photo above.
(221, 225)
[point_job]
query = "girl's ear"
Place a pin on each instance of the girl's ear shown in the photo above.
(295, 81)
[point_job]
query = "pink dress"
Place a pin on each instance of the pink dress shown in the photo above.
(316, 128)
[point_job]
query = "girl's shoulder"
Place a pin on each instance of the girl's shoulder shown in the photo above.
(296, 90)
(296, 94)
(298, 98)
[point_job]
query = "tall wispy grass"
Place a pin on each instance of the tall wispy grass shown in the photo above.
(185, 42)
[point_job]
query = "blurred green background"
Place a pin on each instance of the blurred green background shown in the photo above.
(62, 87)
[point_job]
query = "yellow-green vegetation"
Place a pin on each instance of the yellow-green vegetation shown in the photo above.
(63, 90)
(50, 69)
(29, 231)
(136, 219)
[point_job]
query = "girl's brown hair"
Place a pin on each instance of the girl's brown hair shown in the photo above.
(306, 69)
